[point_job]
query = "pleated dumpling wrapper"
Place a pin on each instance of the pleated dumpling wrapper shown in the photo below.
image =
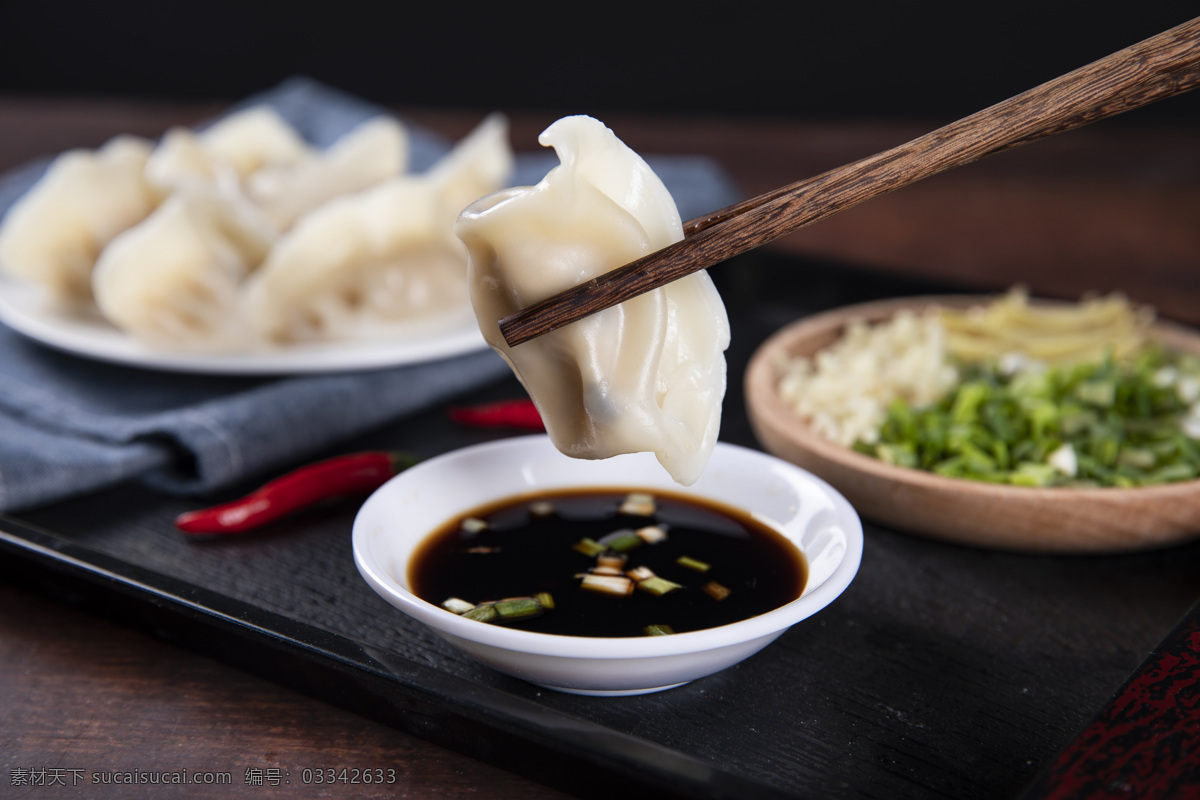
(227, 153)
(255, 153)
(647, 375)
(384, 261)
(52, 235)
(368, 155)
(173, 280)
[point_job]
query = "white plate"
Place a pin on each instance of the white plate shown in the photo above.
(24, 309)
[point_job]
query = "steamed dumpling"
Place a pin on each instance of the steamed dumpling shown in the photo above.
(362, 261)
(173, 280)
(52, 236)
(477, 165)
(647, 375)
(384, 256)
(371, 153)
(252, 139)
(258, 155)
(227, 153)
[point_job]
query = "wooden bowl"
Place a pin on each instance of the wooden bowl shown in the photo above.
(1057, 520)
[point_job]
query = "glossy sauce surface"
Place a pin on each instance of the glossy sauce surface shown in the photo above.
(521, 553)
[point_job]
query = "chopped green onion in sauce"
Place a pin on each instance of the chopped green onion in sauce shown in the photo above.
(658, 630)
(659, 586)
(599, 562)
(693, 564)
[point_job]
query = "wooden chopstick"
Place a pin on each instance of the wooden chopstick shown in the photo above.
(1159, 67)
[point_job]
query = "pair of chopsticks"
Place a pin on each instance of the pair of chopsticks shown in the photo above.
(1157, 68)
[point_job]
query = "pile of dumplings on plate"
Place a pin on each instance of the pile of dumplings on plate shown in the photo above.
(243, 236)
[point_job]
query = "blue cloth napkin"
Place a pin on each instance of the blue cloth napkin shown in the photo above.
(69, 425)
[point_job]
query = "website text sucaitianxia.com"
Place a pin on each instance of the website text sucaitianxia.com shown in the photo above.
(252, 776)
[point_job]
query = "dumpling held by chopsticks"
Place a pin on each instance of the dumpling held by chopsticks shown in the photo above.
(647, 375)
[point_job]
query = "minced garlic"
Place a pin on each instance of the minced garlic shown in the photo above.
(844, 391)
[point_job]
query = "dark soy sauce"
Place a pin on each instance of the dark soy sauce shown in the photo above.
(523, 551)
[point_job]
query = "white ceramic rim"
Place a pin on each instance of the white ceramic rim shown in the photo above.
(814, 598)
(25, 309)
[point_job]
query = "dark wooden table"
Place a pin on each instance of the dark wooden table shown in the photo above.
(1114, 207)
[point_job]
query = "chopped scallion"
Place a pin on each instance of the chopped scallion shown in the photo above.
(658, 630)
(640, 573)
(652, 534)
(658, 586)
(457, 605)
(518, 608)
(615, 585)
(473, 525)
(1105, 422)
(615, 561)
(622, 541)
(589, 547)
(639, 504)
(485, 612)
(716, 591)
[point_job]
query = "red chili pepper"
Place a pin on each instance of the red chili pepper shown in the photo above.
(357, 473)
(500, 414)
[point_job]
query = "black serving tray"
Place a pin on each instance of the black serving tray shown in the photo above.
(943, 671)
